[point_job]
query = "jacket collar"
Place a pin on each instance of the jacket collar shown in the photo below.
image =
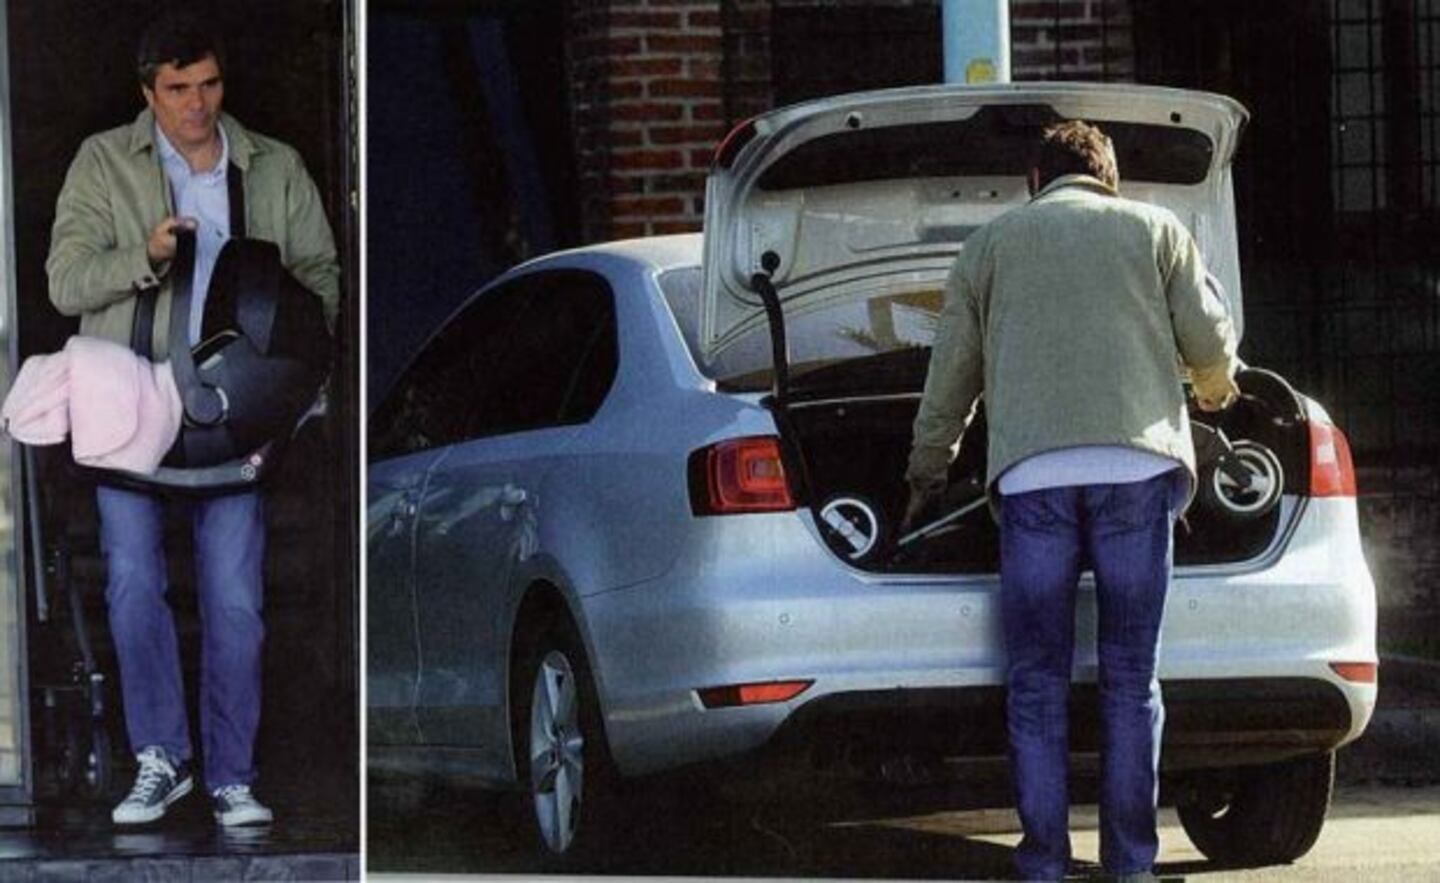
(1086, 181)
(241, 146)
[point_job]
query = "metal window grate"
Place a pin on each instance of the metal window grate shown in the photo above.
(1382, 302)
(1378, 312)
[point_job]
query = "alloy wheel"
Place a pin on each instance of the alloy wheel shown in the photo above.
(557, 760)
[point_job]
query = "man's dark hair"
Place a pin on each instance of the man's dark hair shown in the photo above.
(177, 37)
(1075, 147)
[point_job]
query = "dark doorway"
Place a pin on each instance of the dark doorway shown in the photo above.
(471, 165)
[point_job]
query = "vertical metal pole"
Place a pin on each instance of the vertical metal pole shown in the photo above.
(350, 535)
(977, 41)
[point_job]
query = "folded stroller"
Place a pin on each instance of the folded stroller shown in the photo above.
(1240, 480)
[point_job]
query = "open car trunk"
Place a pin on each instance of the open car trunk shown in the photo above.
(830, 228)
(850, 450)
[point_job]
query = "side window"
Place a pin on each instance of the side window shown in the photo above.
(561, 359)
(434, 401)
(541, 351)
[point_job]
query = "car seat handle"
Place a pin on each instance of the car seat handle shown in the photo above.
(203, 405)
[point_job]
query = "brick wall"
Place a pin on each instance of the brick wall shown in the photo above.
(648, 112)
(1071, 40)
(656, 84)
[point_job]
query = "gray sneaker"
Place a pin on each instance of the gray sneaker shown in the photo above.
(158, 784)
(235, 805)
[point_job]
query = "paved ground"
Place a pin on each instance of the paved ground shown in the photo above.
(1384, 826)
(315, 836)
(1376, 832)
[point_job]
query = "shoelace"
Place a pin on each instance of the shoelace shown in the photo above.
(233, 794)
(154, 772)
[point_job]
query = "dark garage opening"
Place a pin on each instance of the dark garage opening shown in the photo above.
(481, 173)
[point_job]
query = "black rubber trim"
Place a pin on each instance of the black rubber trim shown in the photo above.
(235, 187)
(1260, 713)
(142, 327)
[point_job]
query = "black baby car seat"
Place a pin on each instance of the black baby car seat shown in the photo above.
(262, 358)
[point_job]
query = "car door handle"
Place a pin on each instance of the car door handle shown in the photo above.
(511, 498)
(403, 512)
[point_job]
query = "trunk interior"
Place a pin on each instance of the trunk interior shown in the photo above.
(855, 445)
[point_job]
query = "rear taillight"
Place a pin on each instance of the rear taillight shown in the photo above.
(739, 475)
(1332, 472)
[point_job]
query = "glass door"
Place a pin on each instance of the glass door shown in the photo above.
(14, 730)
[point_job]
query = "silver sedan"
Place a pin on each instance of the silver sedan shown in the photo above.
(633, 507)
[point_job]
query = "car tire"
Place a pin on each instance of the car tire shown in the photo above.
(560, 752)
(1261, 815)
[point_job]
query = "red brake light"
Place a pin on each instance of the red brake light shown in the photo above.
(744, 475)
(752, 694)
(730, 147)
(1332, 472)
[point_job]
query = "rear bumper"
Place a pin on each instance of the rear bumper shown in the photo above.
(874, 754)
(1245, 657)
(1228, 722)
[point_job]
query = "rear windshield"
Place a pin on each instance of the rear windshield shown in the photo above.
(995, 141)
(818, 338)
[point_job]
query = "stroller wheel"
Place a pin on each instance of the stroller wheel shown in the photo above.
(1244, 483)
(99, 770)
(86, 767)
(69, 763)
(851, 526)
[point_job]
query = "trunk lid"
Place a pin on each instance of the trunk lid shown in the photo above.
(872, 194)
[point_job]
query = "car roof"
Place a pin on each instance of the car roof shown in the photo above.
(655, 252)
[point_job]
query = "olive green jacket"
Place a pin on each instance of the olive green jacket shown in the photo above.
(116, 193)
(1074, 314)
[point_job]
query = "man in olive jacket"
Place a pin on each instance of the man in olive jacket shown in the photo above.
(127, 191)
(1074, 314)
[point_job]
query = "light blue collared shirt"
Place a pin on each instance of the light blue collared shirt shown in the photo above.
(1084, 464)
(204, 197)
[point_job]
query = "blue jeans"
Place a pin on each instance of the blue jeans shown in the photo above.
(1124, 533)
(229, 534)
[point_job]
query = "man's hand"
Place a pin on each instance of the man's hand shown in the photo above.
(1215, 388)
(922, 496)
(161, 245)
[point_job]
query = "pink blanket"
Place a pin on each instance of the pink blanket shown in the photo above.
(120, 411)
